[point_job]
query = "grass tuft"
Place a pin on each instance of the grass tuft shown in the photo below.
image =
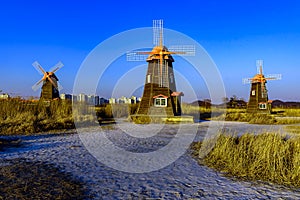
(293, 129)
(270, 157)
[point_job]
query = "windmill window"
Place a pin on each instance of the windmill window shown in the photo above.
(262, 106)
(149, 78)
(171, 78)
(253, 92)
(160, 102)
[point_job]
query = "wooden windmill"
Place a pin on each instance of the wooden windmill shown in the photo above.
(50, 87)
(160, 96)
(258, 101)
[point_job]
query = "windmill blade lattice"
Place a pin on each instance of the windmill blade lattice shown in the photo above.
(36, 86)
(136, 56)
(259, 65)
(56, 67)
(59, 86)
(39, 68)
(246, 80)
(47, 75)
(158, 32)
(263, 88)
(186, 50)
(160, 53)
(52, 82)
(273, 77)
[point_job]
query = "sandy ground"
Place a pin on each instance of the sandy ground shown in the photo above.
(181, 179)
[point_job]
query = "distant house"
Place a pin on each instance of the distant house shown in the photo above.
(236, 103)
(103, 101)
(82, 97)
(65, 96)
(92, 99)
(112, 100)
(96, 100)
(74, 98)
(124, 100)
(288, 104)
(4, 96)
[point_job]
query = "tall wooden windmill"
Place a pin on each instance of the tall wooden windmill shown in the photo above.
(160, 96)
(258, 100)
(50, 87)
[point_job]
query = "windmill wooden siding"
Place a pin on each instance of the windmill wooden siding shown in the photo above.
(258, 97)
(49, 92)
(160, 84)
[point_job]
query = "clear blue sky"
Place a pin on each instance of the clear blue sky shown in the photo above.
(234, 33)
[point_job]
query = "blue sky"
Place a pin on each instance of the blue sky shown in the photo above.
(234, 33)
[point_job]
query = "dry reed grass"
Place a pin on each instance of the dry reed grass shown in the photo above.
(271, 157)
(27, 117)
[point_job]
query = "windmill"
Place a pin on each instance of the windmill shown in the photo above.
(258, 101)
(160, 96)
(50, 87)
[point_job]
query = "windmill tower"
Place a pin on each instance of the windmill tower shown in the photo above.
(258, 100)
(50, 87)
(160, 96)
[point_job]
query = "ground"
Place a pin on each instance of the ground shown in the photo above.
(182, 179)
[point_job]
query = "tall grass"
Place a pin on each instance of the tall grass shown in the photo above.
(26, 117)
(258, 118)
(283, 116)
(116, 110)
(269, 157)
(287, 112)
(201, 112)
(295, 129)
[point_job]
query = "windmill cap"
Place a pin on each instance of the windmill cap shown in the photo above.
(159, 48)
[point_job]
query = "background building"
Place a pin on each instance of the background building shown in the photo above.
(66, 96)
(4, 96)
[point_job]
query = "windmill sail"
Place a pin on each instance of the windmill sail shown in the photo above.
(56, 67)
(50, 87)
(158, 34)
(160, 96)
(39, 68)
(158, 41)
(36, 86)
